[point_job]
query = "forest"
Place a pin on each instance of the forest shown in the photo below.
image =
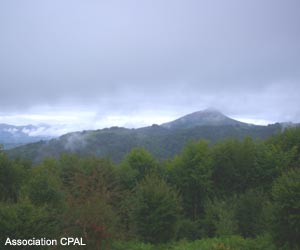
(233, 194)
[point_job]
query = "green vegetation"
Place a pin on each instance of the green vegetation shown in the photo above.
(117, 142)
(286, 196)
(235, 194)
(155, 210)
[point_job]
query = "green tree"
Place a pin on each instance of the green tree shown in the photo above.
(219, 219)
(236, 166)
(271, 161)
(135, 166)
(286, 196)
(44, 187)
(23, 220)
(191, 174)
(289, 141)
(156, 210)
(91, 196)
(251, 213)
(12, 176)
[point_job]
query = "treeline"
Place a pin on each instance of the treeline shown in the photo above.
(235, 194)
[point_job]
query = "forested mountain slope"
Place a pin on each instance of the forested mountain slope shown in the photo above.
(162, 141)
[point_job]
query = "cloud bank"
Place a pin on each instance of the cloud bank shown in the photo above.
(149, 59)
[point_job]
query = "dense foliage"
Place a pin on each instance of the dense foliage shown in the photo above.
(235, 194)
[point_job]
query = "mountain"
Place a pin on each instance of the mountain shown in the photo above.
(207, 117)
(163, 141)
(12, 136)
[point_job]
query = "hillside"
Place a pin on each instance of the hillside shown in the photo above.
(162, 141)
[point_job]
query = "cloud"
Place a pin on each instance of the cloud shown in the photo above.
(128, 58)
(11, 130)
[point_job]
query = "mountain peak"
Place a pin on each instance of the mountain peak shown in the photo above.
(207, 117)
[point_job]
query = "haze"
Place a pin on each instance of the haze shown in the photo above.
(92, 64)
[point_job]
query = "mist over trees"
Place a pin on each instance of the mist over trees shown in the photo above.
(235, 194)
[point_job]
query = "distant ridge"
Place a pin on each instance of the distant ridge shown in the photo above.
(163, 141)
(207, 117)
(12, 136)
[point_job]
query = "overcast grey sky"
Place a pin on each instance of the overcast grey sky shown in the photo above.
(132, 62)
